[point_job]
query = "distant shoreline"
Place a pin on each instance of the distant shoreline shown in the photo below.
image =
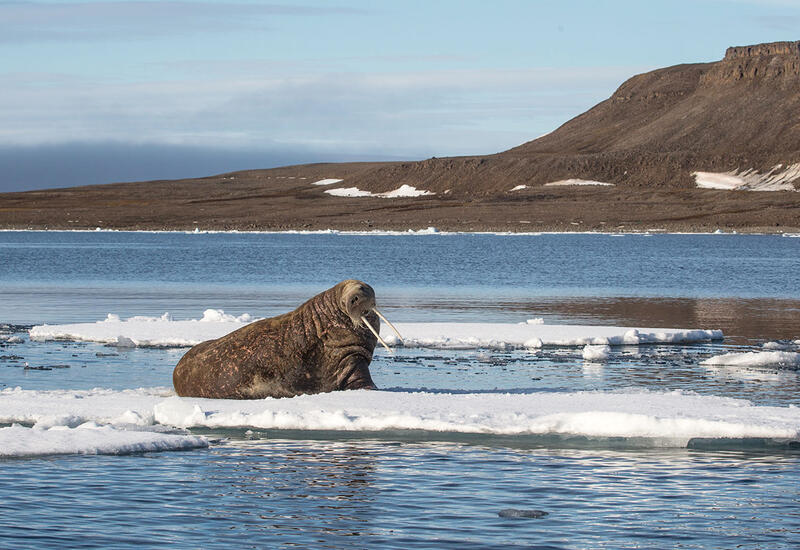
(409, 232)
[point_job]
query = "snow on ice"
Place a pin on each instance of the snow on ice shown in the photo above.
(164, 331)
(596, 353)
(665, 418)
(756, 359)
(89, 438)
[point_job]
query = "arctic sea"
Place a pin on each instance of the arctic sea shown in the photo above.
(644, 441)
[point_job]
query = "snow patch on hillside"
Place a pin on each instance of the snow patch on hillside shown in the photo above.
(402, 191)
(780, 178)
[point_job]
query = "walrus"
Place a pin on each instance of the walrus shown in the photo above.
(324, 345)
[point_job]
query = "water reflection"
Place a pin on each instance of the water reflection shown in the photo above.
(327, 488)
(742, 320)
(385, 494)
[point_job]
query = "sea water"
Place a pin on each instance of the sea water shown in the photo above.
(265, 488)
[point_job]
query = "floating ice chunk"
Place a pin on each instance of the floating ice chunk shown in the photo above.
(519, 187)
(669, 418)
(533, 343)
(535, 321)
(487, 335)
(327, 181)
(124, 342)
(74, 407)
(140, 331)
(89, 438)
(577, 182)
(596, 353)
(8, 339)
(779, 346)
(673, 418)
(160, 331)
(756, 359)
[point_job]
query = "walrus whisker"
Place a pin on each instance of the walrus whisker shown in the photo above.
(378, 336)
(385, 320)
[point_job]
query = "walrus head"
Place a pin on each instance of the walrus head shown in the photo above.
(357, 300)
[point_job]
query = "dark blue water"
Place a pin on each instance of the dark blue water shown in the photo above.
(323, 491)
(373, 494)
(142, 273)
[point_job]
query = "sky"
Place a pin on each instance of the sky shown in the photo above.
(117, 90)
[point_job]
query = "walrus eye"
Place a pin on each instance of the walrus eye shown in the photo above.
(353, 300)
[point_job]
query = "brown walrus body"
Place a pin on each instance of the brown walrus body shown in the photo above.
(321, 346)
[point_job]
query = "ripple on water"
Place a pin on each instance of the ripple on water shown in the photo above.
(366, 494)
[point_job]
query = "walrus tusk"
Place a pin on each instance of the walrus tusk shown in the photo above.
(385, 320)
(378, 336)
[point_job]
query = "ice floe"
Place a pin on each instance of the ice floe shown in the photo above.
(143, 331)
(596, 353)
(402, 191)
(577, 182)
(165, 332)
(536, 335)
(326, 181)
(779, 178)
(669, 419)
(519, 187)
(756, 359)
(780, 346)
(90, 438)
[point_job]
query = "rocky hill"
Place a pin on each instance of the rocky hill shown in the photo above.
(690, 147)
(741, 113)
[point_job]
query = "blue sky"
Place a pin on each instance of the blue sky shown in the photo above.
(99, 91)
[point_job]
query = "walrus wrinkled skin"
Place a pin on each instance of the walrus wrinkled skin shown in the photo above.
(321, 346)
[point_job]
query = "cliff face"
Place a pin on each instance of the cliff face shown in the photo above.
(761, 50)
(774, 63)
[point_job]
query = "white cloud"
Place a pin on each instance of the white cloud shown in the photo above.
(88, 21)
(449, 112)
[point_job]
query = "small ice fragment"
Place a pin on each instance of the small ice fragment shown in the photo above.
(533, 343)
(632, 337)
(755, 359)
(776, 346)
(124, 342)
(535, 321)
(596, 353)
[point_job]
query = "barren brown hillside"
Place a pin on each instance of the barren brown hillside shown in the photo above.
(735, 118)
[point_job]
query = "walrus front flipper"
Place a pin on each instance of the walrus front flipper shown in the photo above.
(353, 373)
